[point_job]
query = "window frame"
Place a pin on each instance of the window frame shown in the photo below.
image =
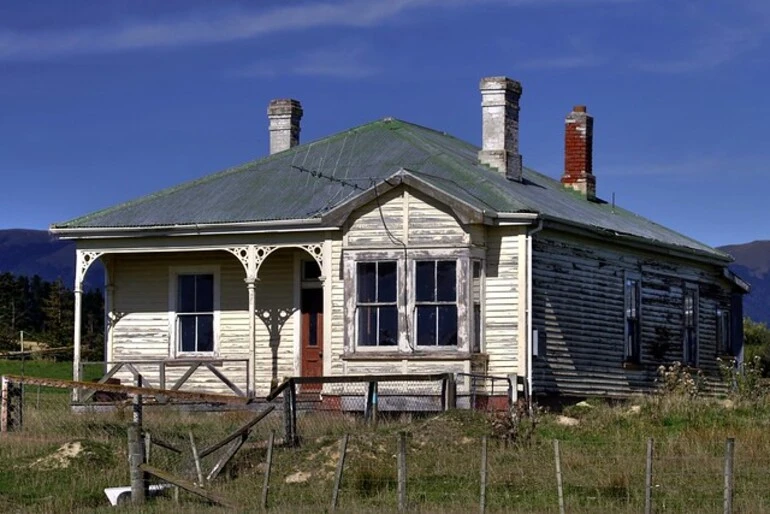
(632, 352)
(693, 330)
(436, 303)
(175, 350)
(377, 304)
(724, 333)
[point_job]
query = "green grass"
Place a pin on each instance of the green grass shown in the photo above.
(46, 369)
(603, 460)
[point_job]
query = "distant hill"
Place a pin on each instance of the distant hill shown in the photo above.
(752, 263)
(36, 252)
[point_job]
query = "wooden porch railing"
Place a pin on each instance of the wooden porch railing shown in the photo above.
(141, 378)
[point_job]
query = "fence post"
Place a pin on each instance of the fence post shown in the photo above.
(196, 459)
(450, 392)
(648, 478)
(729, 454)
(338, 475)
(483, 499)
(290, 414)
(5, 404)
(137, 403)
(402, 499)
(268, 466)
(559, 485)
(135, 458)
(371, 403)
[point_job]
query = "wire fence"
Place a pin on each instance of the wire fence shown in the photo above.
(352, 450)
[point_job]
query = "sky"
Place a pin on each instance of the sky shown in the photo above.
(103, 102)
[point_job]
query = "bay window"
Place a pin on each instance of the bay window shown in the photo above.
(376, 303)
(436, 303)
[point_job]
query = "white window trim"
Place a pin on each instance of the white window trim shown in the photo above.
(631, 275)
(173, 293)
(405, 269)
(399, 306)
(691, 287)
(412, 306)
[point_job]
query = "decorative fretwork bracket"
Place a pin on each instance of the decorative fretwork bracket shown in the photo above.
(83, 260)
(252, 256)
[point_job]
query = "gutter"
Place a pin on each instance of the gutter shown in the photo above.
(253, 227)
(530, 339)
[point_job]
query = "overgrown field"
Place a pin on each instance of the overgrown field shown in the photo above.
(61, 461)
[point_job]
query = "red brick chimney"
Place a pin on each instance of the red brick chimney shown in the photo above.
(578, 152)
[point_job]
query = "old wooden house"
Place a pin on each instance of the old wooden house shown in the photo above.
(395, 248)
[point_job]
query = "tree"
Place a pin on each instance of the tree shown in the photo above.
(756, 340)
(58, 313)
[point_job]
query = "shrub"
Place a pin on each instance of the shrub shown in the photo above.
(679, 381)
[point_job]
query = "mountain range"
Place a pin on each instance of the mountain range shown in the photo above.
(31, 252)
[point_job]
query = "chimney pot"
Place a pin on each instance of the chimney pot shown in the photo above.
(284, 115)
(578, 152)
(500, 125)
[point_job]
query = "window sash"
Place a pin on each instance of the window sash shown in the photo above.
(195, 313)
(377, 303)
(435, 313)
(633, 300)
(690, 331)
(724, 339)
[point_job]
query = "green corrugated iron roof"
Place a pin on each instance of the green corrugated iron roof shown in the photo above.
(310, 179)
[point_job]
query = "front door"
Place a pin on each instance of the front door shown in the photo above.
(312, 306)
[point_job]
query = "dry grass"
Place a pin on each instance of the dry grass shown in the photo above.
(603, 459)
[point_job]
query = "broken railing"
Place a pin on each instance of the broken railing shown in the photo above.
(155, 374)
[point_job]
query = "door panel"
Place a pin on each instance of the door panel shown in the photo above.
(312, 343)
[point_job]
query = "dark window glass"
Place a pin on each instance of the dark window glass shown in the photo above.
(386, 281)
(426, 325)
(187, 330)
(388, 326)
(204, 293)
(447, 325)
(367, 282)
(367, 326)
(425, 290)
(633, 347)
(205, 333)
(186, 293)
(446, 281)
(310, 270)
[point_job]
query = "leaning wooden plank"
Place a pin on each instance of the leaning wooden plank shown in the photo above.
(224, 379)
(182, 395)
(229, 454)
(164, 444)
(242, 430)
(188, 486)
(187, 374)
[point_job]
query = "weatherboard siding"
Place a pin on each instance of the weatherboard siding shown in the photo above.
(502, 296)
(579, 312)
(143, 329)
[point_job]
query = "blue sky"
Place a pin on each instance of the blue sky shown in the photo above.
(101, 102)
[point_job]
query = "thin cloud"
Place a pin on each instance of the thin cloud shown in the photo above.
(567, 62)
(223, 26)
(349, 62)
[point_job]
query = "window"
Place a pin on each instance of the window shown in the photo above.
(633, 332)
(691, 326)
(376, 303)
(436, 303)
(476, 291)
(195, 313)
(724, 328)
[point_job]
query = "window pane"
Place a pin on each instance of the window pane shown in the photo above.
(205, 333)
(425, 278)
(204, 293)
(187, 333)
(186, 301)
(426, 325)
(388, 326)
(367, 326)
(386, 282)
(447, 325)
(476, 327)
(447, 279)
(367, 280)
